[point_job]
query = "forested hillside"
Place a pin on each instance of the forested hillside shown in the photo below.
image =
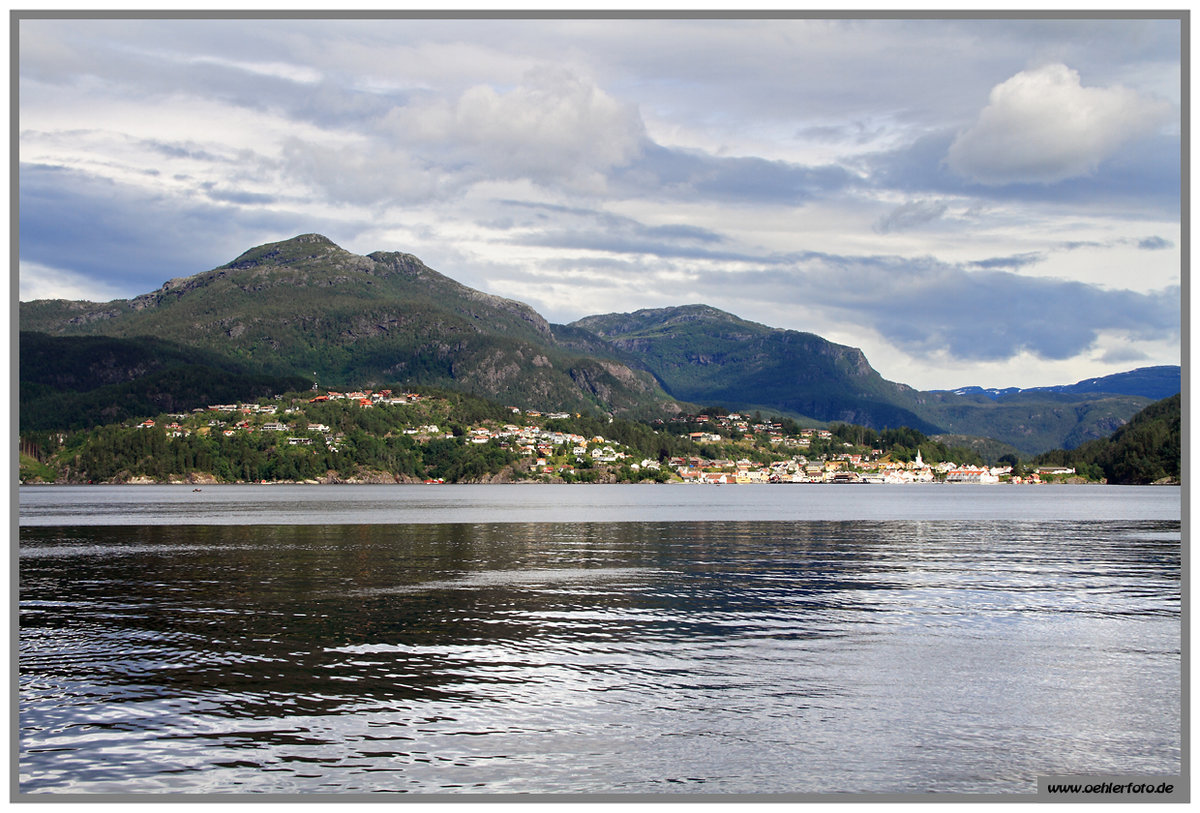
(1146, 450)
(76, 382)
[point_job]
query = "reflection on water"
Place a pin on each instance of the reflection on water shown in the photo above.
(641, 657)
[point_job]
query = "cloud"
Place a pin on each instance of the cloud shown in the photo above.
(1123, 354)
(368, 172)
(910, 215)
(854, 133)
(934, 310)
(578, 229)
(1014, 261)
(993, 315)
(279, 70)
(682, 174)
(1146, 178)
(118, 240)
(37, 281)
(1155, 244)
(554, 128)
(1043, 126)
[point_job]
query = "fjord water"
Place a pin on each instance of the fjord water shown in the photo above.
(572, 639)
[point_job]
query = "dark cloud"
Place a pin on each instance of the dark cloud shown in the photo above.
(661, 172)
(1155, 244)
(240, 197)
(684, 232)
(1014, 261)
(130, 239)
(910, 215)
(635, 242)
(557, 226)
(996, 316)
(927, 308)
(1124, 355)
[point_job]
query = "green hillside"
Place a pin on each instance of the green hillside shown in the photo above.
(1149, 449)
(1034, 421)
(704, 355)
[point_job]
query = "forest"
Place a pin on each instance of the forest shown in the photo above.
(1146, 450)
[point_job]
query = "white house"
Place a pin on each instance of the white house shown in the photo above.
(967, 475)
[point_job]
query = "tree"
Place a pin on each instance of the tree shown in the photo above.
(1018, 469)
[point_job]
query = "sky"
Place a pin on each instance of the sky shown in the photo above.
(992, 202)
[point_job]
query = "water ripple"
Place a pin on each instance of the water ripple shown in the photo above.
(639, 657)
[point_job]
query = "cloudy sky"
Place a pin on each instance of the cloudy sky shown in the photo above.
(992, 202)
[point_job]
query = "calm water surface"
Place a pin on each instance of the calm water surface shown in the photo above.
(354, 504)
(651, 640)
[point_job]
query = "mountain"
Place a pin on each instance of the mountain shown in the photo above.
(704, 355)
(307, 307)
(1148, 449)
(1064, 416)
(1033, 422)
(1155, 383)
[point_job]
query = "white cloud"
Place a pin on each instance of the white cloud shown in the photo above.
(554, 127)
(279, 70)
(39, 281)
(1043, 126)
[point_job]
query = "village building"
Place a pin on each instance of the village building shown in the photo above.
(971, 475)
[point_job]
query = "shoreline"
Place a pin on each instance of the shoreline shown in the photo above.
(197, 485)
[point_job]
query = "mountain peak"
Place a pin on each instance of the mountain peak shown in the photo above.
(287, 252)
(689, 313)
(654, 318)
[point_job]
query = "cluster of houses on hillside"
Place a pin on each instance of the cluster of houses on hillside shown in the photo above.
(530, 441)
(840, 469)
(555, 452)
(367, 398)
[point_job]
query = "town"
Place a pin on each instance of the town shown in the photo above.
(717, 448)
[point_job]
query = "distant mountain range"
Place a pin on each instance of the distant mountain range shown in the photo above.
(1149, 382)
(305, 310)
